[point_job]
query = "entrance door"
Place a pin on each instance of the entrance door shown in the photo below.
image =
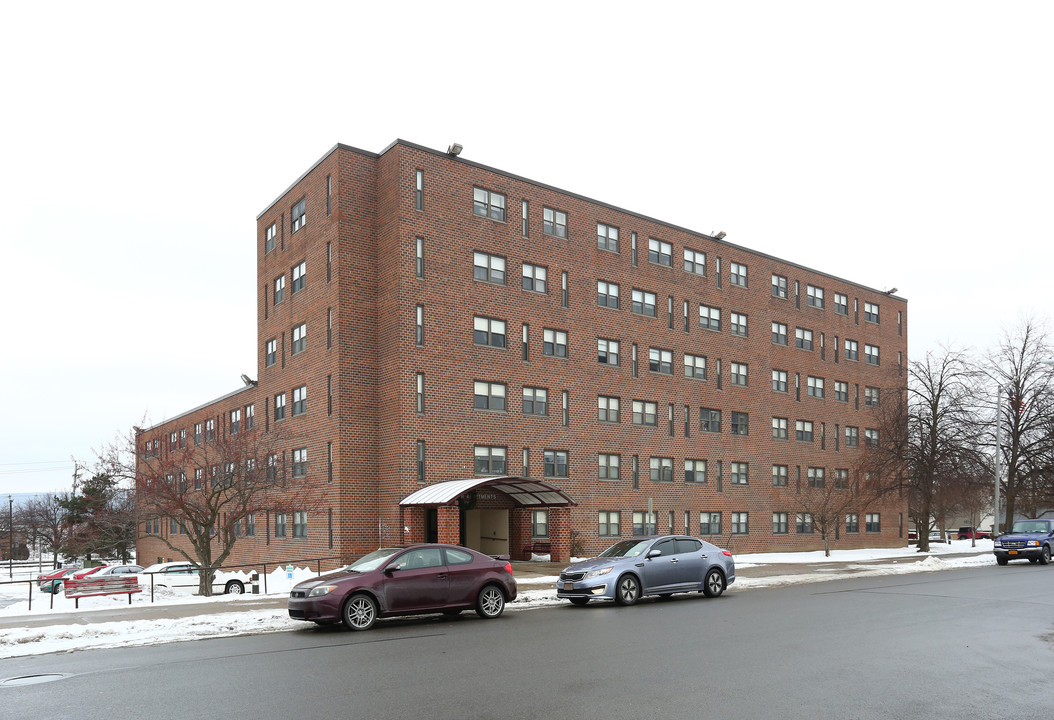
(486, 531)
(431, 525)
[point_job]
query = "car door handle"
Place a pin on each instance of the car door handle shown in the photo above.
(441, 576)
(673, 560)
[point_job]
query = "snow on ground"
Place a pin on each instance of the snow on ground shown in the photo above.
(533, 592)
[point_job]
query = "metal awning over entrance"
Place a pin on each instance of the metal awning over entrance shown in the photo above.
(525, 492)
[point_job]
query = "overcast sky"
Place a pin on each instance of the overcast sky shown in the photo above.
(894, 144)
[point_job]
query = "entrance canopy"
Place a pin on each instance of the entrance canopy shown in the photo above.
(525, 492)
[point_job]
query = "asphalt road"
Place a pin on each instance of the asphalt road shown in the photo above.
(972, 643)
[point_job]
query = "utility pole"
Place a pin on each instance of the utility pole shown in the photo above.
(10, 537)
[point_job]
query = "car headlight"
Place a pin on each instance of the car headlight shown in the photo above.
(597, 573)
(1033, 543)
(320, 590)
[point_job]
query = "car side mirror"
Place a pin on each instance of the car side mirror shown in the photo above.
(654, 554)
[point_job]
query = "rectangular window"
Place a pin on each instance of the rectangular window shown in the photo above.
(779, 286)
(210, 431)
(739, 373)
(779, 333)
(815, 387)
(419, 259)
(870, 437)
(779, 523)
(644, 303)
(299, 339)
(279, 406)
(779, 476)
(300, 462)
(535, 401)
(607, 352)
(814, 296)
(695, 471)
(852, 350)
(488, 331)
(540, 523)
(817, 477)
(489, 396)
(554, 222)
(852, 523)
(644, 523)
(554, 342)
(300, 400)
(607, 294)
(607, 237)
(779, 381)
(299, 277)
(871, 354)
(740, 423)
(694, 262)
(740, 473)
(608, 467)
(608, 523)
(279, 524)
(489, 460)
(737, 274)
(779, 428)
(841, 304)
(738, 324)
(803, 430)
(235, 422)
(660, 253)
(872, 523)
(870, 396)
(709, 420)
(555, 462)
(871, 312)
(841, 391)
(197, 433)
(661, 469)
(298, 215)
(660, 361)
(279, 290)
(300, 523)
(709, 523)
(420, 458)
(695, 366)
(803, 524)
(852, 436)
(488, 268)
(486, 203)
(419, 190)
(269, 237)
(841, 478)
(709, 317)
(534, 278)
(420, 392)
(419, 325)
(803, 338)
(740, 523)
(607, 409)
(645, 413)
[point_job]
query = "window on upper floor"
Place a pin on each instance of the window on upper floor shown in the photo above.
(660, 252)
(270, 237)
(740, 473)
(738, 373)
(814, 296)
(709, 420)
(488, 268)
(608, 409)
(299, 277)
(607, 467)
(607, 237)
(607, 351)
(871, 312)
(554, 222)
(737, 323)
(488, 204)
(852, 436)
(709, 317)
(852, 350)
(534, 278)
(488, 331)
(299, 400)
(299, 338)
(279, 289)
(489, 396)
(554, 463)
(694, 366)
(694, 471)
(779, 333)
(554, 342)
(535, 401)
(803, 430)
(737, 274)
(779, 381)
(740, 423)
(661, 469)
(298, 215)
(779, 286)
(815, 387)
(644, 303)
(871, 354)
(871, 396)
(660, 361)
(803, 338)
(271, 352)
(645, 413)
(779, 428)
(841, 391)
(841, 304)
(607, 294)
(489, 460)
(694, 262)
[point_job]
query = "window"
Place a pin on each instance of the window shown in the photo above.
(695, 366)
(841, 304)
(535, 401)
(815, 387)
(555, 463)
(419, 260)
(779, 476)
(608, 523)
(871, 312)
(235, 422)
(779, 523)
(607, 237)
(554, 343)
(814, 296)
(645, 413)
(737, 274)
(779, 381)
(279, 289)
(419, 325)
(300, 523)
(300, 462)
(271, 352)
(779, 428)
(300, 400)
(709, 523)
(661, 469)
(779, 333)
(870, 437)
(489, 396)
(803, 430)
(490, 460)
(740, 524)
(694, 262)
(644, 303)
(644, 523)
(419, 393)
(852, 523)
(779, 286)
(803, 338)
(852, 436)
(279, 524)
(709, 317)
(871, 354)
(197, 434)
(709, 420)
(739, 374)
(540, 523)
(740, 423)
(660, 361)
(738, 324)
(299, 338)
(817, 477)
(803, 525)
(852, 350)
(554, 222)
(607, 351)
(420, 460)
(660, 253)
(488, 204)
(841, 478)
(488, 331)
(279, 406)
(269, 237)
(607, 294)
(695, 471)
(608, 466)
(419, 190)
(608, 409)
(534, 277)
(210, 432)
(872, 523)
(740, 473)
(299, 277)
(870, 396)
(298, 215)
(488, 268)
(841, 391)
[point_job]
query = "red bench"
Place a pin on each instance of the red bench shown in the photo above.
(109, 585)
(537, 548)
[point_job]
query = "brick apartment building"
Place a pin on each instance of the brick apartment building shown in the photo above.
(457, 353)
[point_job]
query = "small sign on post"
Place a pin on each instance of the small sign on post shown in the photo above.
(289, 571)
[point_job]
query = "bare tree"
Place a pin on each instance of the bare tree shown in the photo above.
(46, 522)
(825, 501)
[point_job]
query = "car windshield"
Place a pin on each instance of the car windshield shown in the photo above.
(371, 561)
(1031, 526)
(626, 548)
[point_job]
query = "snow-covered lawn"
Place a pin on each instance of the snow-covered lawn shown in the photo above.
(533, 592)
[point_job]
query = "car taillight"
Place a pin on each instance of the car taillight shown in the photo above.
(508, 568)
(726, 552)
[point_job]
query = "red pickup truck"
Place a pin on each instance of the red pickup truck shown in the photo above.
(967, 533)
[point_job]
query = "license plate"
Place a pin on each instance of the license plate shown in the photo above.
(1011, 552)
(569, 586)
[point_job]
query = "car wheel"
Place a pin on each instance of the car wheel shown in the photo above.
(234, 587)
(491, 602)
(714, 584)
(1044, 558)
(579, 601)
(1002, 560)
(627, 592)
(360, 612)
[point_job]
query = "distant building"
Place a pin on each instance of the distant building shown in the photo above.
(582, 371)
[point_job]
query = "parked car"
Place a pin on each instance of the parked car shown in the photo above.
(81, 574)
(183, 575)
(413, 580)
(1031, 539)
(117, 570)
(655, 565)
(913, 535)
(969, 533)
(53, 578)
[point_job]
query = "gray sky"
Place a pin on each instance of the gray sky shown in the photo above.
(895, 144)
